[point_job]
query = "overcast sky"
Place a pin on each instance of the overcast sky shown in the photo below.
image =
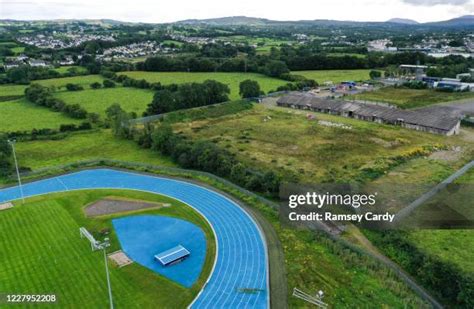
(174, 10)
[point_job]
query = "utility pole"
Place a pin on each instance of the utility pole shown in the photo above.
(104, 246)
(12, 144)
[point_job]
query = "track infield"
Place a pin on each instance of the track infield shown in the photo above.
(240, 274)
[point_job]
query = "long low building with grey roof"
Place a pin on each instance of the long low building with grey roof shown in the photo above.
(438, 119)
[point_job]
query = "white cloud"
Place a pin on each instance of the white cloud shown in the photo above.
(437, 2)
(168, 11)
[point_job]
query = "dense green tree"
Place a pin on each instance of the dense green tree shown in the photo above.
(96, 85)
(5, 156)
(375, 74)
(275, 68)
(118, 120)
(163, 102)
(249, 89)
(74, 87)
(108, 83)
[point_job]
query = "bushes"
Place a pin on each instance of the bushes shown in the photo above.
(249, 89)
(415, 84)
(74, 87)
(73, 127)
(42, 96)
(450, 282)
(96, 85)
(300, 85)
(24, 74)
(48, 133)
(108, 83)
(5, 156)
(208, 157)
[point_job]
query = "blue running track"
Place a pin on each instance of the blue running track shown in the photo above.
(240, 274)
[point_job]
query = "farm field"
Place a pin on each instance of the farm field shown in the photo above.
(65, 69)
(11, 92)
(231, 79)
(22, 115)
(98, 100)
(411, 98)
(84, 146)
(288, 143)
(59, 83)
(44, 244)
(335, 76)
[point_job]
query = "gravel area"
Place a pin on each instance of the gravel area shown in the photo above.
(109, 206)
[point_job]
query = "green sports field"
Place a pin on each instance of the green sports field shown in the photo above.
(231, 79)
(335, 76)
(22, 115)
(42, 253)
(98, 100)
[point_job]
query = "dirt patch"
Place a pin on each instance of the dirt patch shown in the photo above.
(120, 258)
(112, 205)
(6, 206)
(453, 154)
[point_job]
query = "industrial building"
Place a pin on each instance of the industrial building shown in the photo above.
(438, 120)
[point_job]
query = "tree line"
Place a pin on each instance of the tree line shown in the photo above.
(43, 96)
(188, 96)
(6, 160)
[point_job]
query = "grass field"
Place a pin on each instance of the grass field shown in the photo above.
(456, 245)
(65, 69)
(60, 83)
(98, 100)
(335, 76)
(410, 98)
(285, 141)
(84, 146)
(231, 79)
(42, 253)
(452, 246)
(9, 90)
(22, 115)
(18, 50)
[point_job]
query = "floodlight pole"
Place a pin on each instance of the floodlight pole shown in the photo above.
(12, 144)
(104, 246)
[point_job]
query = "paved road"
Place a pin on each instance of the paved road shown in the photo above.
(240, 275)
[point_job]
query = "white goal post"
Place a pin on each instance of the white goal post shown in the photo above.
(95, 245)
